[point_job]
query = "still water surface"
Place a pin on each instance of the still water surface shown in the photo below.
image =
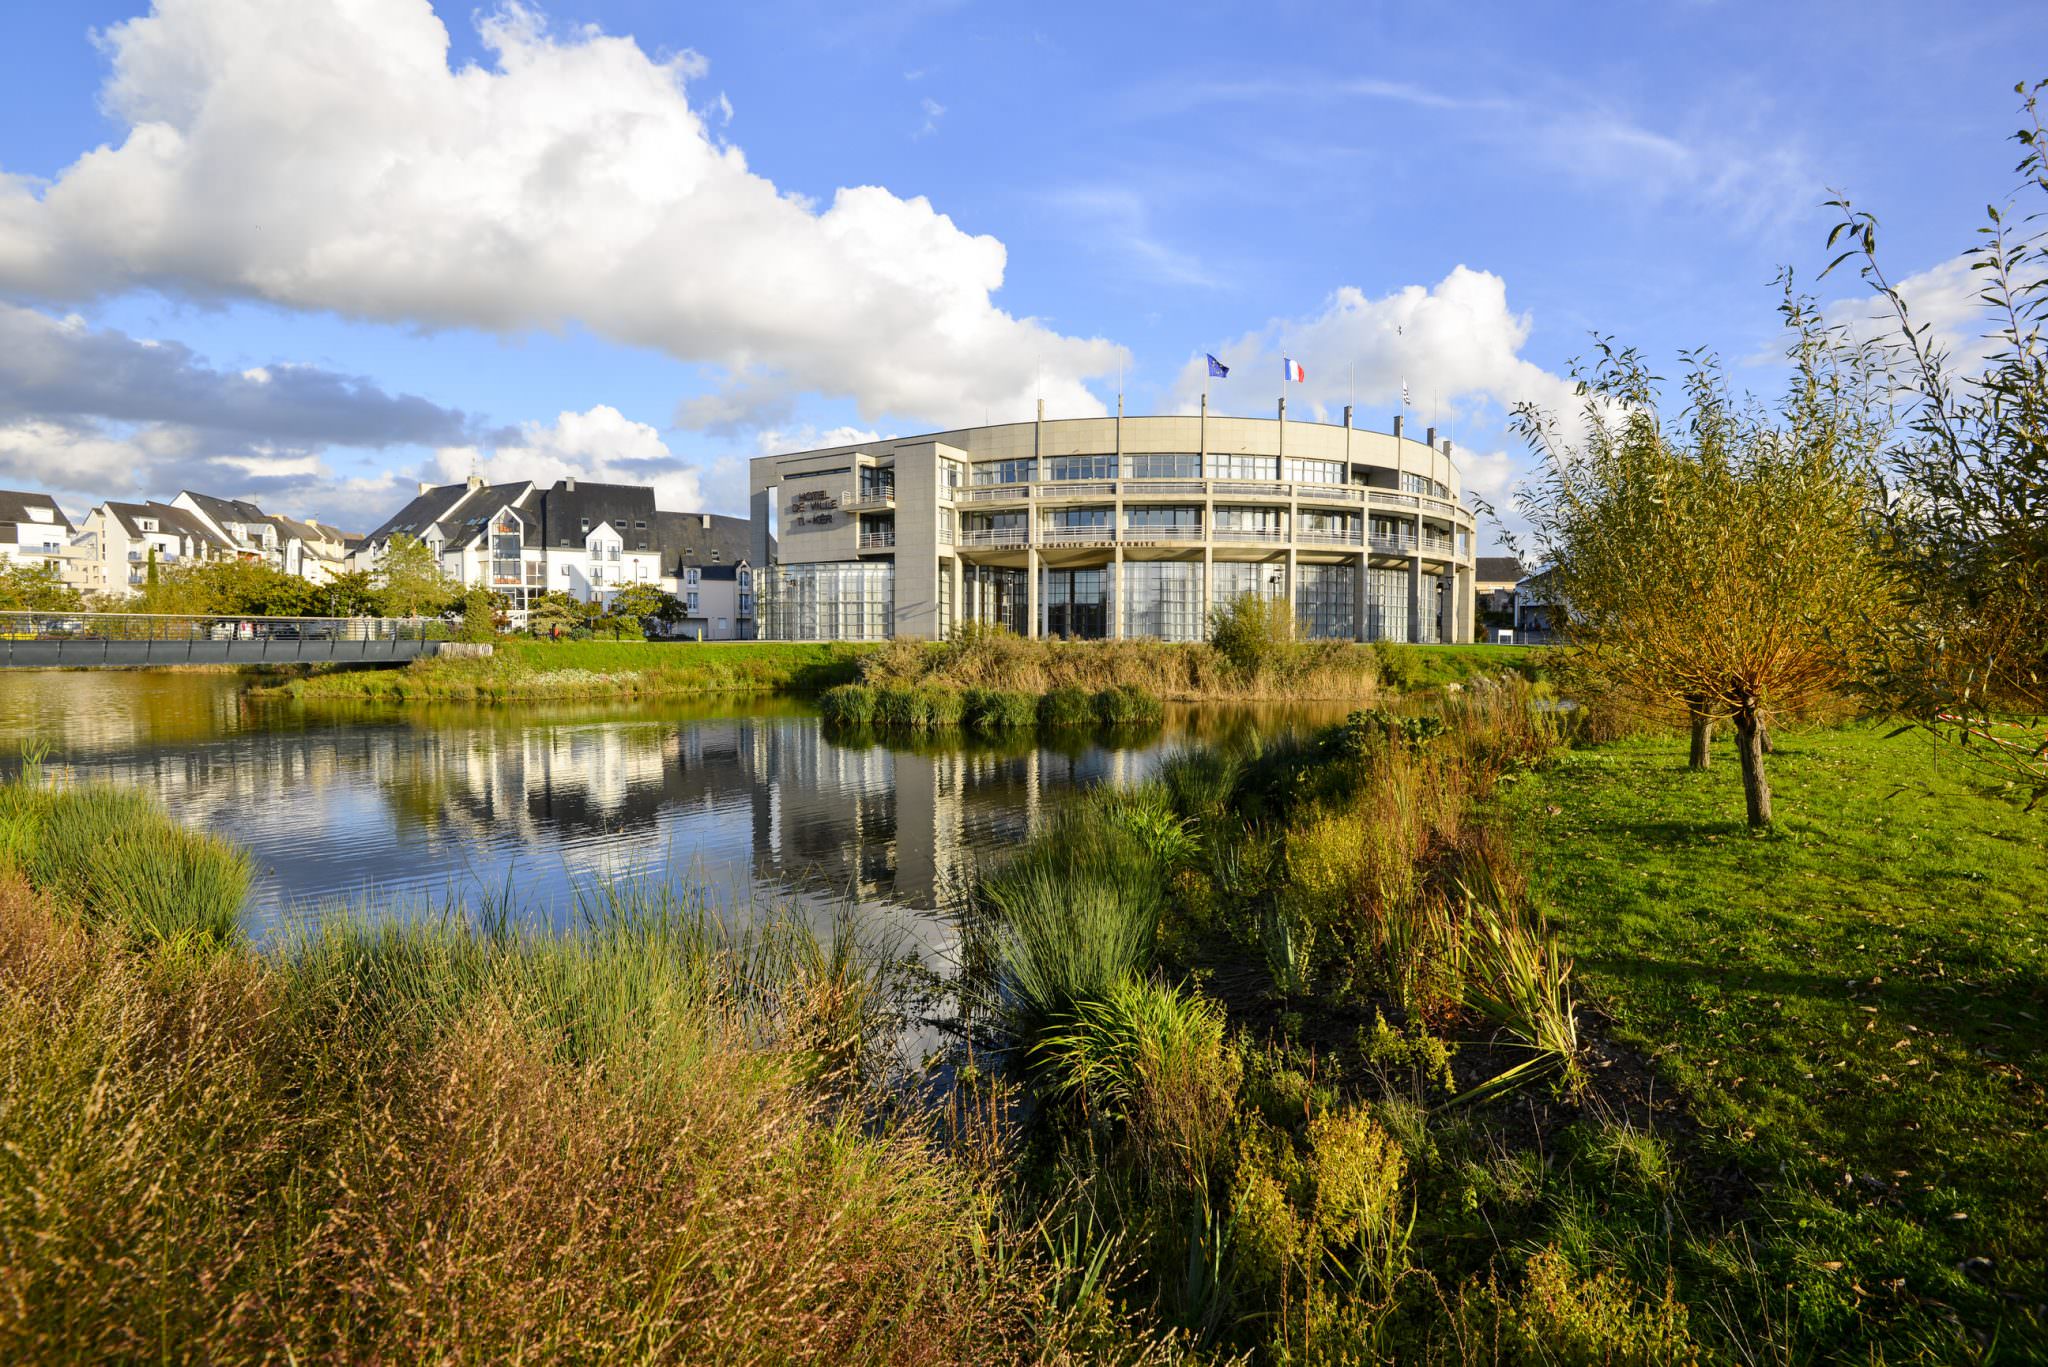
(404, 810)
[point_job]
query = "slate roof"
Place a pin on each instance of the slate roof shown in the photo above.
(1496, 569)
(569, 513)
(463, 527)
(226, 510)
(176, 521)
(421, 513)
(15, 505)
(685, 540)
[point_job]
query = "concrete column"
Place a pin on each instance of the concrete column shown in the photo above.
(1293, 609)
(959, 608)
(1116, 593)
(1208, 586)
(761, 507)
(1415, 597)
(1031, 591)
(1358, 596)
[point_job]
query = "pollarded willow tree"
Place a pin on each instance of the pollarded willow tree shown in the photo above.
(1967, 518)
(1722, 565)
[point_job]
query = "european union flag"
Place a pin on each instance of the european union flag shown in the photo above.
(1218, 369)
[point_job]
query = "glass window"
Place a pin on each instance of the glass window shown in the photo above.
(1163, 598)
(834, 600)
(1325, 598)
(1231, 580)
(1396, 532)
(1076, 603)
(1422, 484)
(1243, 467)
(1265, 521)
(1081, 467)
(1162, 515)
(993, 594)
(1062, 519)
(1386, 604)
(1326, 523)
(1315, 471)
(1164, 465)
(1006, 471)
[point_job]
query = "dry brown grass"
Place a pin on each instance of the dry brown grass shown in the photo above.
(197, 1168)
(1177, 671)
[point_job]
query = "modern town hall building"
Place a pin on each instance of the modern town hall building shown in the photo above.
(1115, 527)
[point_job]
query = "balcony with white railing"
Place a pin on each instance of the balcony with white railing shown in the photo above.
(1393, 544)
(1076, 536)
(1171, 532)
(878, 539)
(1272, 536)
(994, 493)
(995, 536)
(1329, 538)
(1076, 489)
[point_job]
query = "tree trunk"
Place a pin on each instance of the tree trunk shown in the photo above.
(1764, 738)
(1702, 735)
(1749, 744)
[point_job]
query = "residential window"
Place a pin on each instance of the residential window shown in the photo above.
(1161, 517)
(692, 576)
(1077, 519)
(1261, 521)
(692, 604)
(1423, 484)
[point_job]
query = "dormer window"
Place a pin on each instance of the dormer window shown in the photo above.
(148, 524)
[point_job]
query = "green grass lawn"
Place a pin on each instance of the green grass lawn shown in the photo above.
(1852, 1004)
(1434, 666)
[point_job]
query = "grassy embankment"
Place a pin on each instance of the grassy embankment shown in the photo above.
(1309, 1070)
(519, 669)
(651, 1141)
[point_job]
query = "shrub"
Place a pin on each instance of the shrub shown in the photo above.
(1597, 1321)
(1151, 1062)
(1254, 633)
(1066, 707)
(939, 708)
(1128, 705)
(849, 705)
(993, 710)
(1399, 665)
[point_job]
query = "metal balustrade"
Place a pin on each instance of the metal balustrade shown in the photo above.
(873, 541)
(1329, 538)
(1264, 535)
(137, 638)
(1068, 536)
(994, 536)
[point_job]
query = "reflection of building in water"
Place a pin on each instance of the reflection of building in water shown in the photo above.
(762, 808)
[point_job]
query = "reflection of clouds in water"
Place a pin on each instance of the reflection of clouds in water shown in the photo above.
(414, 811)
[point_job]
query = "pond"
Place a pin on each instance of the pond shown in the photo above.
(402, 811)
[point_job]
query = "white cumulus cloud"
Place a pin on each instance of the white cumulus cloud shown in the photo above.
(601, 445)
(323, 155)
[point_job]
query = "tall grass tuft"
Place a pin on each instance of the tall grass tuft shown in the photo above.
(113, 856)
(1066, 707)
(1128, 705)
(850, 706)
(993, 711)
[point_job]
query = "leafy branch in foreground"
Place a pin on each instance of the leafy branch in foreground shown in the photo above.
(1966, 518)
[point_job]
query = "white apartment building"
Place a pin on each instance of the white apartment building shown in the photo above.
(1116, 527)
(587, 540)
(115, 544)
(718, 602)
(35, 531)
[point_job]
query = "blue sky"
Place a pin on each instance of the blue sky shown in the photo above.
(310, 253)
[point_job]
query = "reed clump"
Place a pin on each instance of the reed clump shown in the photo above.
(655, 1138)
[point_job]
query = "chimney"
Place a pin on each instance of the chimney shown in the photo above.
(425, 487)
(1430, 440)
(569, 485)
(704, 521)
(476, 482)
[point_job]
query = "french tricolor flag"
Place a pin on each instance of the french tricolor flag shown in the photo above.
(1295, 374)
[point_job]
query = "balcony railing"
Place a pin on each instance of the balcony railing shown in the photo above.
(995, 536)
(1068, 536)
(1077, 488)
(877, 541)
(1381, 541)
(1166, 533)
(1327, 538)
(1272, 535)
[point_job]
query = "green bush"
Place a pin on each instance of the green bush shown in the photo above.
(917, 709)
(896, 709)
(991, 710)
(1066, 707)
(848, 705)
(1400, 666)
(939, 708)
(1127, 705)
(1254, 633)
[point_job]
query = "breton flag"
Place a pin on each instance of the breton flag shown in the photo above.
(1404, 393)
(1217, 368)
(1295, 374)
